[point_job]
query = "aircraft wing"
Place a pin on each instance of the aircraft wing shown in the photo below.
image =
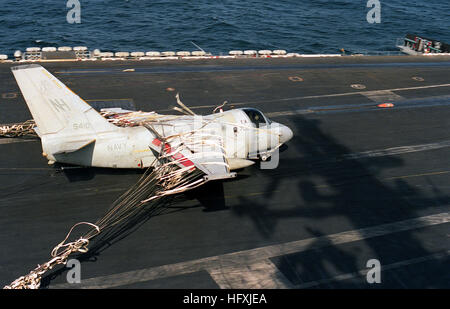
(200, 150)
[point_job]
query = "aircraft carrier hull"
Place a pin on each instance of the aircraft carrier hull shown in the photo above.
(357, 182)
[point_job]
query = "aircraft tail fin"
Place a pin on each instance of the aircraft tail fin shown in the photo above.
(54, 107)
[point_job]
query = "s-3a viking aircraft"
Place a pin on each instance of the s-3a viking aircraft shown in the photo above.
(72, 132)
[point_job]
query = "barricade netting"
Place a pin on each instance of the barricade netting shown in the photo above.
(18, 129)
(165, 177)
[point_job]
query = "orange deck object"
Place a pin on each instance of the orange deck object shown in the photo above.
(386, 105)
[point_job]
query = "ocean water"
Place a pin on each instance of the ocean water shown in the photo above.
(305, 26)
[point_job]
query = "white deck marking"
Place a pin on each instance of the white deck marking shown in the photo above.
(10, 140)
(363, 272)
(259, 275)
(397, 150)
(245, 259)
(381, 96)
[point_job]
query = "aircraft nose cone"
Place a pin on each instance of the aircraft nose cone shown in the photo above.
(285, 134)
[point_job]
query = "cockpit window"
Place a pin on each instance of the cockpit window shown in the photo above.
(256, 116)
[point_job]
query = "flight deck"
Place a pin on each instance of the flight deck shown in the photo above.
(366, 176)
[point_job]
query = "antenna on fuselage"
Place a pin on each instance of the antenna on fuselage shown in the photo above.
(184, 109)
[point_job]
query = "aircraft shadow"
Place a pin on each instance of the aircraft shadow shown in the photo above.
(350, 190)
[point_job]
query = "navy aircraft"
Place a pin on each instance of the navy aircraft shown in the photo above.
(73, 132)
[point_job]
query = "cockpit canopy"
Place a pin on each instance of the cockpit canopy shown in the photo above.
(256, 117)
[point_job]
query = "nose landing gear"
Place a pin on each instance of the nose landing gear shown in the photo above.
(264, 157)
